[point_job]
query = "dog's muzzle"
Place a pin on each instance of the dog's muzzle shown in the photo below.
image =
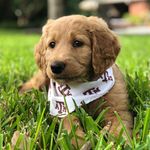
(57, 67)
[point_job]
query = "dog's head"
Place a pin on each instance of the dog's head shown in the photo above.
(76, 48)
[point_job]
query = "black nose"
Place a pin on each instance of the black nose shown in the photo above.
(57, 67)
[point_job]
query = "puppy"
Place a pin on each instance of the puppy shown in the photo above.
(76, 59)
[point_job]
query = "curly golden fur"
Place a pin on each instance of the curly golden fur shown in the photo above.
(98, 52)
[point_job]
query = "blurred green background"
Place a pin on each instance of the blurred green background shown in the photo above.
(32, 13)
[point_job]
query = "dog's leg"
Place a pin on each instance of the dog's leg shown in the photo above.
(77, 141)
(117, 100)
(37, 82)
(116, 126)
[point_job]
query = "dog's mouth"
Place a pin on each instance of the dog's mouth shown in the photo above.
(69, 78)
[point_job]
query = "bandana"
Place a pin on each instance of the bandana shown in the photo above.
(80, 93)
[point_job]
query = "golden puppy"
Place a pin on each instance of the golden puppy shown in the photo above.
(75, 52)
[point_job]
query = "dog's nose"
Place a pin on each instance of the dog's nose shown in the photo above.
(57, 67)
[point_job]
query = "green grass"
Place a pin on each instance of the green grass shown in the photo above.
(29, 113)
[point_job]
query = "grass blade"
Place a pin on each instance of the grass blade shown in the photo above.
(71, 123)
(58, 135)
(8, 147)
(50, 130)
(51, 141)
(124, 128)
(1, 141)
(100, 143)
(109, 146)
(146, 125)
(136, 93)
(65, 142)
(43, 139)
(101, 115)
(37, 130)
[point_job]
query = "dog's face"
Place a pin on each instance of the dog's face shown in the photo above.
(68, 52)
(76, 48)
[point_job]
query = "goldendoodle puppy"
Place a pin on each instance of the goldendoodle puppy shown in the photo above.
(76, 59)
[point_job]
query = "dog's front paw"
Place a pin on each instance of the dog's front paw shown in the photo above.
(26, 87)
(20, 140)
(106, 128)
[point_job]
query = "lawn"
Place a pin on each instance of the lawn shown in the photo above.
(29, 113)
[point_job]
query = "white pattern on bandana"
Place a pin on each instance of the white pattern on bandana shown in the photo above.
(81, 93)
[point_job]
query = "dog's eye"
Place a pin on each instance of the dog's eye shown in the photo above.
(52, 44)
(77, 43)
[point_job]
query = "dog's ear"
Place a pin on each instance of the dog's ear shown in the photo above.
(40, 48)
(105, 45)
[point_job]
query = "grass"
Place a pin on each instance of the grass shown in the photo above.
(29, 113)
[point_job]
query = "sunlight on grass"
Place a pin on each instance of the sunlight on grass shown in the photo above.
(135, 54)
(29, 113)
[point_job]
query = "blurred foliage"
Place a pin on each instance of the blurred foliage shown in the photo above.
(71, 7)
(24, 12)
(5, 9)
(30, 9)
(31, 12)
